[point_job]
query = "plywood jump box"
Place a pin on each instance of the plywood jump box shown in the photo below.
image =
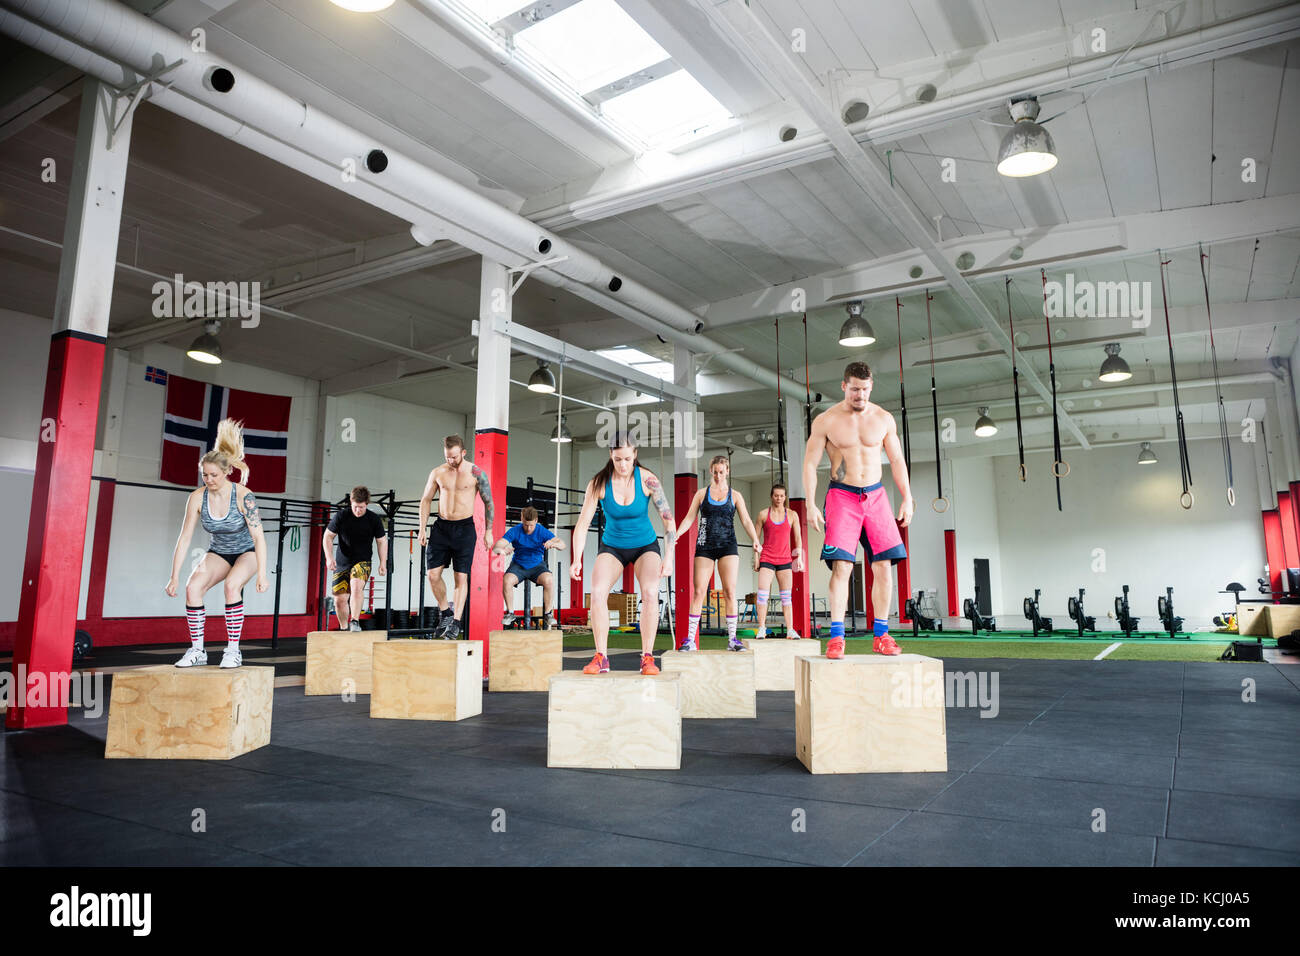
(339, 662)
(714, 683)
(427, 680)
(867, 713)
(774, 660)
(524, 660)
(614, 721)
(189, 713)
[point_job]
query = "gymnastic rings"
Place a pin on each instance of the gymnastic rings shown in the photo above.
(1056, 469)
(1022, 472)
(1232, 498)
(1186, 500)
(935, 505)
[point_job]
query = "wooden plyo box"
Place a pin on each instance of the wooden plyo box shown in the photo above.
(335, 658)
(1282, 619)
(614, 721)
(189, 713)
(867, 713)
(1252, 620)
(714, 683)
(427, 680)
(524, 660)
(774, 660)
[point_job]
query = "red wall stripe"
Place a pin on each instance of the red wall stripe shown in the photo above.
(1273, 548)
(950, 560)
(1287, 521)
(904, 578)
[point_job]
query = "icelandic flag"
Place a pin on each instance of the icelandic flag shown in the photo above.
(152, 374)
(190, 421)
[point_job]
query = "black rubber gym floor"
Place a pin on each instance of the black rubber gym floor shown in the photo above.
(1167, 757)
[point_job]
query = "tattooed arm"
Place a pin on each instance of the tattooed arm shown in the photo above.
(652, 488)
(253, 518)
(484, 492)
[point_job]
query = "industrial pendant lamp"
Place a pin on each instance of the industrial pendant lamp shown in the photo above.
(985, 426)
(560, 434)
(1027, 149)
(1114, 368)
(206, 348)
(541, 380)
(856, 331)
(763, 446)
(364, 6)
(1146, 456)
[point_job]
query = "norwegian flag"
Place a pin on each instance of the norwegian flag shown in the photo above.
(193, 411)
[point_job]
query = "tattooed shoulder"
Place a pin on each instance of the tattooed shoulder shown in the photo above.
(250, 511)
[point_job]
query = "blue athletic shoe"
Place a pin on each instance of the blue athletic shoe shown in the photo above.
(688, 644)
(734, 645)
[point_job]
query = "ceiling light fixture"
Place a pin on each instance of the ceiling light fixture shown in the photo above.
(856, 331)
(1027, 148)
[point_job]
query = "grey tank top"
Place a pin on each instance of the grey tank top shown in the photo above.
(229, 534)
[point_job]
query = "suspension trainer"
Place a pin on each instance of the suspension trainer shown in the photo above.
(807, 385)
(1015, 384)
(1185, 466)
(940, 503)
(902, 392)
(1059, 468)
(1214, 362)
(780, 418)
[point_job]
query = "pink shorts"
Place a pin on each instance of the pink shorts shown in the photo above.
(856, 514)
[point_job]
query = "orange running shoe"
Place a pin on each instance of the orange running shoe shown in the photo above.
(599, 665)
(648, 668)
(884, 644)
(835, 648)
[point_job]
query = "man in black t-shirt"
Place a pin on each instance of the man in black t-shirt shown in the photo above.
(347, 544)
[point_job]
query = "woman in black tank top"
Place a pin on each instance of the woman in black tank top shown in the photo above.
(715, 545)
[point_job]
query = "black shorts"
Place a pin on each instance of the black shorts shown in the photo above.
(527, 574)
(628, 556)
(452, 542)
(230, 559)
(776, 567)
(713, 554)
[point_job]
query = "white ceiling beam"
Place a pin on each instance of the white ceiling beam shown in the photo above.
(747, 31)
(742, 154)
(1054, 248)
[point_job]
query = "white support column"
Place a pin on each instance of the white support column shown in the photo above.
(795, 443)
(492, 409)
(689, 445)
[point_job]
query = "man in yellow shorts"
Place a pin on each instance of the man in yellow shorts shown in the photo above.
(347, 543)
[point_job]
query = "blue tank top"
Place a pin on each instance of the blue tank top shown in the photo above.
(627, 526)
(717, 528)
(229, 534)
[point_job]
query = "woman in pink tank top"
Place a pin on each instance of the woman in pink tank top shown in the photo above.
(779, 556)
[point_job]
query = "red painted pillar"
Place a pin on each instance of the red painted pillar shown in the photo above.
(99, 552)
(685, 484)
(490, 445)
(1290, 553)
(1273, 552)
(1295, 507)
(799, 592)
(950, 559)
(56, 535)
(904, 578)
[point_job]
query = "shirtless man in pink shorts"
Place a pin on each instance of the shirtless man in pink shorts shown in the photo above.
(857, 508)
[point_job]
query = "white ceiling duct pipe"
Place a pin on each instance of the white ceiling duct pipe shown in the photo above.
(121, 34)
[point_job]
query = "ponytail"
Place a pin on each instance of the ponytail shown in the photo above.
(229, 450)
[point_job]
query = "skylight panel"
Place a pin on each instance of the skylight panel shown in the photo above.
(591, 44)
(667, 109)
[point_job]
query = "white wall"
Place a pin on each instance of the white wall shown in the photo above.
(1132, 515)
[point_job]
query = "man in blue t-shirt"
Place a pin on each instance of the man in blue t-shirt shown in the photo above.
(529, 543)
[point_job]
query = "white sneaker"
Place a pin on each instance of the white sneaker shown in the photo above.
(354, 625)
(760, 634)
(194, 657)
(232, 657)
(793, 635)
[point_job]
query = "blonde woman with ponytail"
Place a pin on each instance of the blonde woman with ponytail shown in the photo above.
(228, 512)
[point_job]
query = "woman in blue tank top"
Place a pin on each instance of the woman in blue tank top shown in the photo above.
(715, 544)
(228, 512)
(624, 490)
